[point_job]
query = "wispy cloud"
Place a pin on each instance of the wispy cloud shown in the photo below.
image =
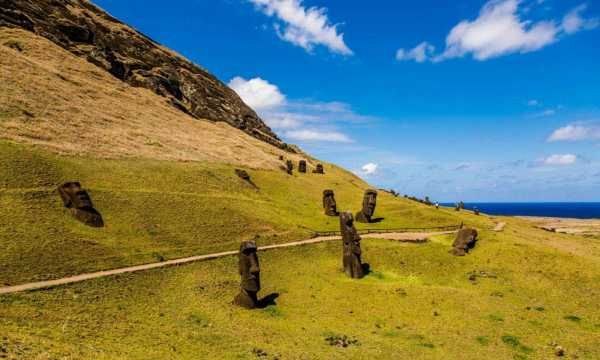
(561, 159)
(500, 30)
(576, 132)
(304, 27)
(297, 119)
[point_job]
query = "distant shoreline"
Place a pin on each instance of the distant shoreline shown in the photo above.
(563, 210)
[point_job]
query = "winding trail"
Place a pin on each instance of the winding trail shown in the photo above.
(418, 237)
(499, 227)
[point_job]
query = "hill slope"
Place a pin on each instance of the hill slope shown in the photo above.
(91, 34)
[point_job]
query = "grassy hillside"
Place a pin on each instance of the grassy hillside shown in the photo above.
(417, 303)
(160, 210)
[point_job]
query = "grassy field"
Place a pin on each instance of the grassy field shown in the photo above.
(417, 303)
(157, 210)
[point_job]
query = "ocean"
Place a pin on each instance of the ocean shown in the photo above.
(581, 210)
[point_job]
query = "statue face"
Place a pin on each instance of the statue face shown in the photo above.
(302, 166)
(369, 202)
(249, 266)
(74, 196)
(329, 203)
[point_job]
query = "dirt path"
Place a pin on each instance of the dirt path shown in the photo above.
(499, 227)
(403, 237)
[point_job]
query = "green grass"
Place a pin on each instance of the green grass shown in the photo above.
(157, 210)
(186, 312)
(418, 301)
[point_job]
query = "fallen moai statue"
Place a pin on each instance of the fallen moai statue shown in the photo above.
(465, 240)
(78, 201)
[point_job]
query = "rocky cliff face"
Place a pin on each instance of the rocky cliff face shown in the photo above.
(88, 32)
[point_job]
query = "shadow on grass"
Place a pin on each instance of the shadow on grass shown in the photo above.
(268, 300)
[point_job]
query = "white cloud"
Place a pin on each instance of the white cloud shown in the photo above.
(533, 102)
(257, 93)
(500, 30)
(566, 159)
(369, 169)
(573, 22)
(299, 120)
(317, 135)
(304, 27)
(575, 132)
(419, 53)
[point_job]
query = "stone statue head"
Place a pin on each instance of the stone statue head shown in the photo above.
(329, 204)
(289, 165)
(464, 241)
(73, 196)
(319, 169)
(249, 267)
(302, 166)
(369, 202)
(76, 199)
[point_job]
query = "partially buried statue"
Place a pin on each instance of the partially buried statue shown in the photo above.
(78, 201)
(302, 166)
(250, 274)
(368, 207)
(289, 166)
(353, 266)
(465, 240)
(329, 204)
(319, 169)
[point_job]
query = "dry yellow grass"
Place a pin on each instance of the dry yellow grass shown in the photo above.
(53, 99)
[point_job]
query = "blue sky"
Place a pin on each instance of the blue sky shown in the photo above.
(466, 100)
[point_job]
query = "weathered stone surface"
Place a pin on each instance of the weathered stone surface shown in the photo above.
(464, 241)
(79, 203)
(249, 270)
(90, 33)
(329, 204)
(289, 166)
(353, 266)
(302, 166)
(319, 169)
(368, 207)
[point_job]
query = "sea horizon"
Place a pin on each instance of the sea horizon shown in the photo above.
(576, 210)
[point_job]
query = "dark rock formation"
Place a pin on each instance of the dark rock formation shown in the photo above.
(90, 33)
(302, 166)
(319, 169)
(250, 273)
(464, 241)
(476, 211)
(289, 166)
(329, 204)
(353, 266)
(368, 207)
(78, 201)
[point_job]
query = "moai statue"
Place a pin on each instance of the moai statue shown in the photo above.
(351, 240)
(476, 211)
(302, 166)
(250, 273)
(243, 174)
(78, 201)
(289, 166)
(319, 169)
(368, 207)
(329, 204)
(465, 240)
(457, 207)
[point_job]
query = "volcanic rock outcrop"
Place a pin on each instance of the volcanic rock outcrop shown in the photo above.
(90, 33)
